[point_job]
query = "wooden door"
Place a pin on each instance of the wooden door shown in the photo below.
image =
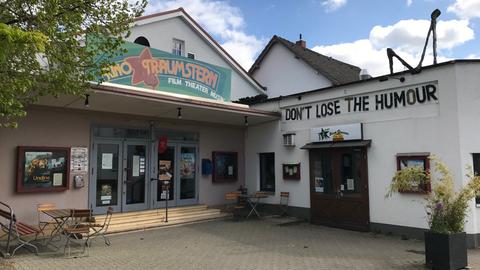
(339, 187)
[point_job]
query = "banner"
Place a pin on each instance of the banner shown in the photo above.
(158, 70)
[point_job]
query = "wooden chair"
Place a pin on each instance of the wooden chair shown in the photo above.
(284, 197)
(102, 229)
(43, 222)
(237, 202)
(16, 230)
(79, 229)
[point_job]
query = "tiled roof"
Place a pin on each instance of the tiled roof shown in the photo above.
(337, 72)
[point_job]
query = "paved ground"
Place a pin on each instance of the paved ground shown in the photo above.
(253, 244)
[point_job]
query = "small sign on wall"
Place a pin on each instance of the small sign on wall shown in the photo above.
(337, 133)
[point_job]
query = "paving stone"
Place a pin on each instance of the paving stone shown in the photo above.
(252, 244)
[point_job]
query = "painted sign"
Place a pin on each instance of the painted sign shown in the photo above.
(390, 99)
(158, 70)
(337, 133)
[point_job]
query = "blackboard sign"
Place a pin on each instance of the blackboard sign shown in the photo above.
(42, 169)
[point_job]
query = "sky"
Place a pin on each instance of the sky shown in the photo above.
(354, 31)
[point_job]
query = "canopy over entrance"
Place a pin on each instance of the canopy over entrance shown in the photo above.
(116, 98)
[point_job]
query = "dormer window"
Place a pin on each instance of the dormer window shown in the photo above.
(142, 41)
(178, 47)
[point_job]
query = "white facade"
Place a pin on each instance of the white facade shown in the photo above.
(447, 128)
(161, 30)
(284, 74)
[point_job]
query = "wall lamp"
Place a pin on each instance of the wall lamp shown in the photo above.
(179, 113)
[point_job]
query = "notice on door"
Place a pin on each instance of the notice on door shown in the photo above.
(107, 161)
(136, 166)
(350, 184)
(319, 185)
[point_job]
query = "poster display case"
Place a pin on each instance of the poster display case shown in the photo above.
(225, 167)
(42, 169)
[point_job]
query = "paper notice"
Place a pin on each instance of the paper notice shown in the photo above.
(350, 184)
(107, 161)
(319, 182)
(136, 166)
(57, 179)
(230, 170)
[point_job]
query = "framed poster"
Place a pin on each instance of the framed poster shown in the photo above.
(415, 160)
(225, 167)
(43, 169)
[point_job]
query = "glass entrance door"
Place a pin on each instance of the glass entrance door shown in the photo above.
(105, 188)
(119, 176)
(178, 164)
(134, 176)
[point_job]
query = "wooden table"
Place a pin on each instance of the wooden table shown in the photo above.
(253, 201)
(61, 217)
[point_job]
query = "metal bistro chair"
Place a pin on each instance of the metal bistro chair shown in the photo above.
(42, 221)
(284, 197)
(79, 229)
(102, 229)
(238, 204)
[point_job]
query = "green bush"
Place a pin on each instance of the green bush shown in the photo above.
(446, 208)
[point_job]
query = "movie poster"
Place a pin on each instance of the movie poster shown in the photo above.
(44, 169)
(165, 170)
(187, 166)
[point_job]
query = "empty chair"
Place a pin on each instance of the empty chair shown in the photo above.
(102, 229)
(284, 197)
(43, 220)
(79, 229)
(237, 202)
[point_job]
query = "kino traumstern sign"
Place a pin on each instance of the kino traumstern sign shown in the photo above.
(158, 70)
(375, 101)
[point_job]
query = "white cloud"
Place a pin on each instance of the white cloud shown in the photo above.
(465, 9)
(409, 35)
(406, 37)
(332, 5)
(222, 20)
(409, 2)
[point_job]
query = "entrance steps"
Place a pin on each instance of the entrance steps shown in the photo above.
(140, 220)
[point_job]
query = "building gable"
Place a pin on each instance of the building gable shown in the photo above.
(161, 29)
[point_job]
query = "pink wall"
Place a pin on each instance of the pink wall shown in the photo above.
(66, 128)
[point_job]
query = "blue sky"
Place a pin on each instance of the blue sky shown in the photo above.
(354, 31)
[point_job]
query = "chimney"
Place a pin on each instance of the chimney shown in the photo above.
(364, 75)
(301, 42)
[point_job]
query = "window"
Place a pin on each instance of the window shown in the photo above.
(142, 41)
(178, 47)
(476, 171)
(191, 55)
(267, 171)
(415, 160)
(289, 139)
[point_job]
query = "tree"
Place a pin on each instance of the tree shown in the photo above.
(50, 47)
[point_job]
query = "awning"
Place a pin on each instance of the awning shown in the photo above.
(342, 144)
(157, 104)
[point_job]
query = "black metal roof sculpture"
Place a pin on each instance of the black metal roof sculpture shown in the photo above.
(433, 25)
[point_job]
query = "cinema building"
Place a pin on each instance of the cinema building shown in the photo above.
(307, 124)
(158, 120)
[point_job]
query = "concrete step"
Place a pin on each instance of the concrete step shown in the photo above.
(184, 209)
(161, 215)
(160, 222)
(140, 220)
